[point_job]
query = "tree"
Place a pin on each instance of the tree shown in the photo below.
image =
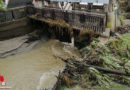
(2, 5)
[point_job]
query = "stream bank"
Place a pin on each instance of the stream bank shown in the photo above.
(32, 65)
(103, 66)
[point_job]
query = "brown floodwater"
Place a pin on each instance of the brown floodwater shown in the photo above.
(23, 71)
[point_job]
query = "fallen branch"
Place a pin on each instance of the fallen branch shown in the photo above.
(108, 70)
(79, 64)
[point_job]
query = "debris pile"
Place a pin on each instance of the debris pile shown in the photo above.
(101, 65)
(123, 30)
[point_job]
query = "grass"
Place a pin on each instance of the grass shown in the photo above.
(126, 38)
(114, 55)
(62, 88)
(114, 86)
(121, 42)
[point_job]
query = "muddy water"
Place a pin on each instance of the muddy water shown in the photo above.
(23, 71)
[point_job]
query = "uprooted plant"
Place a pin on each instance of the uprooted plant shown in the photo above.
(101, 65)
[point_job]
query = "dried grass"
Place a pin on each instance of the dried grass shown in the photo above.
(59, 24)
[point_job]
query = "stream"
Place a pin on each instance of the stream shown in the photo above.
(27, 70)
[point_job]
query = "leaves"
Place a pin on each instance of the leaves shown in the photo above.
(114, 55)
(1, 5)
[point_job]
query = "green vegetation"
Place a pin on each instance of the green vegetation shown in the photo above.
(115, 55)
(1, 5)
(114, 86)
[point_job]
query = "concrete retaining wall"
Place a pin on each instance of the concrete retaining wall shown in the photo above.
(12, 14)
(13, 22)
(18, 3)
(77, 19)
(15, 28)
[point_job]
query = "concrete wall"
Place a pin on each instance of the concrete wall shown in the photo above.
(15, 28)
(17, 3)
(77, 19)
(12, 14)
(13, 22)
